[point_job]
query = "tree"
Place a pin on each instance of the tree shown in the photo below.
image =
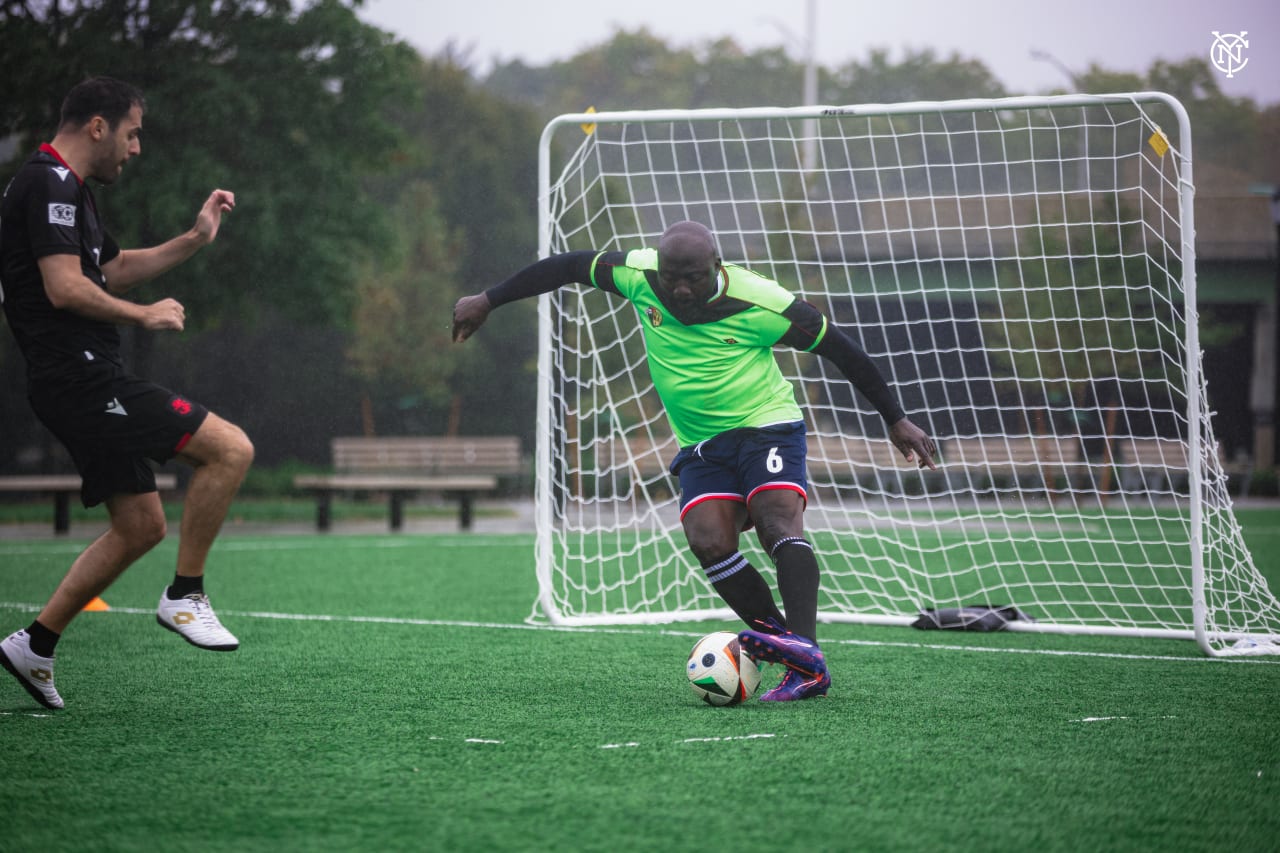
(244, 94)
(286, 106)
(1225, 130)
(637, 70)
(400, 342)
(920, 76)
(477, 153)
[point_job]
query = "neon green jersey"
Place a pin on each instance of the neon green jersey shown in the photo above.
(713, 367)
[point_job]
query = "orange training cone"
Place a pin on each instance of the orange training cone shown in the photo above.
(96, 605)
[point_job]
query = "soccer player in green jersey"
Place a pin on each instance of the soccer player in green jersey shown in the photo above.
(709, 330)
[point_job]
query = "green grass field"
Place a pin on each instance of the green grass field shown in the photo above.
(389, 694)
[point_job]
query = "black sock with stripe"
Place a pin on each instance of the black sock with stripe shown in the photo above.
(798, 584)
(743, 588)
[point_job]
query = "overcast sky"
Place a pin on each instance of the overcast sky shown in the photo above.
(1120, 35)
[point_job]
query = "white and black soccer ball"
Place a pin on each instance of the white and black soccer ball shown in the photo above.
(720, 672)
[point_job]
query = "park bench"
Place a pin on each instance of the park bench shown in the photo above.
(1139, 464)
(647, 456)
(456, 467)
(1154, 464)
(1045, 463)
(62, 487)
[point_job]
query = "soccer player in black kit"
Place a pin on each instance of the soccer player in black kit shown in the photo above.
(61, 276)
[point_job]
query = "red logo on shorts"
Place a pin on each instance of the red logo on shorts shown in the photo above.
(181, 406)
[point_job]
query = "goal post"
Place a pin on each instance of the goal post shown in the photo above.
(1021, 269)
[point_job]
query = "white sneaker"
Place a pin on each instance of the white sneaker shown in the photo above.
(32, 671)
(192, 618)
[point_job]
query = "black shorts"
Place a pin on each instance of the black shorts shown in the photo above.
(111, 423)
(738, 464)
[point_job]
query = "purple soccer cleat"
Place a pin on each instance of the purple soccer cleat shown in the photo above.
(774, 645)
(795, 686)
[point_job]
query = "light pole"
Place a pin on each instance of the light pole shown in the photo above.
(809, 140)
(1045, 56)
(809, 150)
(1082, 173)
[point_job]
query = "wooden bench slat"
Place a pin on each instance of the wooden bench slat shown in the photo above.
(65, 482)
(62, 487)
(384, 482)
(38, 483)
(843, 452)
(434, 455)
(648, 456)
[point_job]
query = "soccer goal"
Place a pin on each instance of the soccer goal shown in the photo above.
(1023, 272)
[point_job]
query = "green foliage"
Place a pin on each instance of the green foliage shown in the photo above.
(470, 178)
(920, 75)
(1099, 81)
(478, 152)
(401, 332)
(1229, 132)
(254, 97)
(1265, 483)
(637, 70)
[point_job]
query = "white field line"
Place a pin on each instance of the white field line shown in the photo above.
(631, 744)
(661, 632)
(1109, 719)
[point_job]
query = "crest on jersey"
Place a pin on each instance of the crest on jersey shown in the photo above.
(62, 214)
(655, 316)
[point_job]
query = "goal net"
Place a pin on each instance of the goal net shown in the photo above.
(1022, 271)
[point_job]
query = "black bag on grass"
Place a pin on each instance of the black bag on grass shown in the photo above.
(977, 617)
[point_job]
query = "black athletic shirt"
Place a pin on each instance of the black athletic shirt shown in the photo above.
(48, 210)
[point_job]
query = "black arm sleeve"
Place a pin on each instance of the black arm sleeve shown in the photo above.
(858, 368)
(543, 276)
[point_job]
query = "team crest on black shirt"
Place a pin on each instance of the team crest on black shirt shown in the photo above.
(181, 406)
(62, 214)
(655, 316)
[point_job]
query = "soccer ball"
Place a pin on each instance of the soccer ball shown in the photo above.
(720, 672)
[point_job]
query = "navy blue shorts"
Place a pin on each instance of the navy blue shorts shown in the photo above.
(736, 465)
(111, 423)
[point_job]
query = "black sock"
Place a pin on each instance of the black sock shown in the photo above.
(43, 641)
(798, 585)
(743, 588)
(183, 586)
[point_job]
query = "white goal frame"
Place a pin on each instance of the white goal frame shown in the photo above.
(1216, 632)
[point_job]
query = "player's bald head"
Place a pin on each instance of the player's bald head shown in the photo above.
(690, 242)
(688, 263)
